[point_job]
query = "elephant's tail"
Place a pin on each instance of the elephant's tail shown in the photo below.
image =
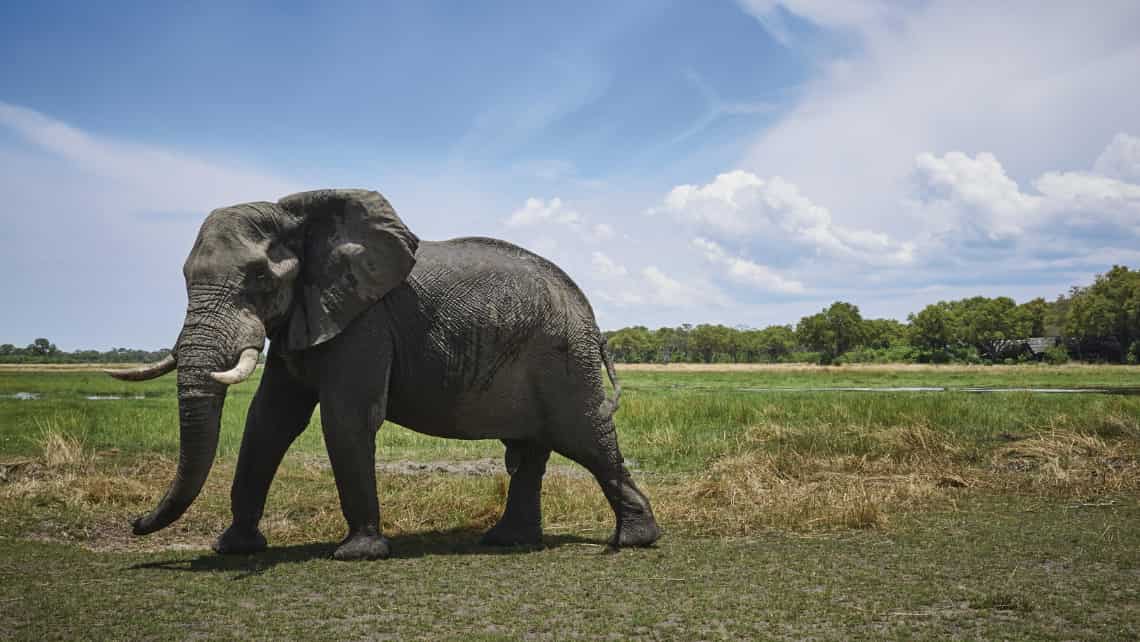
(609, 406)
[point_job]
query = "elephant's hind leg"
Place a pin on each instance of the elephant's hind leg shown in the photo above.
(521, 523)
(599, 453)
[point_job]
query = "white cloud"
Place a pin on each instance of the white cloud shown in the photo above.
(621, 298)
(745, 271)
(651, 288)
(605, 267)
(537, 210)
(1087, 190)
(980, 186)
(603, 231)
(1095, 215)
(1038, 93)
(1121, 159)
(668, 291)
(739, 203)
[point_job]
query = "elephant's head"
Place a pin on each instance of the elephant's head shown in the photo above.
(297, 271)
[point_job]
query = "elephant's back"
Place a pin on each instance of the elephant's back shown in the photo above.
(505, 277)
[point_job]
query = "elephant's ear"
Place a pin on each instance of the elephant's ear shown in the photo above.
(355, 250)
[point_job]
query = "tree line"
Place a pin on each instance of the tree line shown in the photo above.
(1099, 322)
(44, 351)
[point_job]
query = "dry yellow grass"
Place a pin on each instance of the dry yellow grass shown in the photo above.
(917, 470)
(1068, 464)
(61, 450)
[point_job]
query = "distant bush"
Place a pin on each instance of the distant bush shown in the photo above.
(802, 356)
(893, 354)
(1057, 355)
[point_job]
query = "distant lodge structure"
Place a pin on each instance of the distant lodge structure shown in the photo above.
(1034, 346)
(1039, 345)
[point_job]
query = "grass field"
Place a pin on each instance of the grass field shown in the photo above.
(789, 514)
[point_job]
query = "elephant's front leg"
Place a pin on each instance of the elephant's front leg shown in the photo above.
(280, 411)
(350, 437)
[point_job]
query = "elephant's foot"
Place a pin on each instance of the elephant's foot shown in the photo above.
(506, 535)
(639, 531)
(238, 541)
(363, 546)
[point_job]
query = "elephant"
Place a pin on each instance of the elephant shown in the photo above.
(468, 338)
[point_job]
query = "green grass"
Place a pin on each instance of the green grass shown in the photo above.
(790, 375)
(989, 570)
(668, 422)
(788, 515)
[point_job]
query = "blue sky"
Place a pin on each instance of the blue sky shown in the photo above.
(736, 162)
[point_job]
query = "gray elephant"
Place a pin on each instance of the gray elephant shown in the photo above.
(471, 338)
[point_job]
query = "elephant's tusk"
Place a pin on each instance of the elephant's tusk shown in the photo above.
(241, 371)
(149, 371)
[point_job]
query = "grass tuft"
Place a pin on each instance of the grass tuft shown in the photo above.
(1069, 464)
(744, 494)
(917, 441)
(60, 440)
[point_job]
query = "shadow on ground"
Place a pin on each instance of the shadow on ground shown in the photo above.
(453, 542)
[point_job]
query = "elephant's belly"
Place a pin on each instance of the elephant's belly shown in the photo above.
(503, 412)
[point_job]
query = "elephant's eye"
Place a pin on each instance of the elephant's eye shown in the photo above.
(259, 278)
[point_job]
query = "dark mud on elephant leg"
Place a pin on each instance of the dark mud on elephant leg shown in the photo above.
(521, 523)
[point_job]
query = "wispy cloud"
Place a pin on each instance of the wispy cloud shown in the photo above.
(940, 76)
(163, 179)
(852, 15)
(716, 108)
(92, 217)
(745, 271)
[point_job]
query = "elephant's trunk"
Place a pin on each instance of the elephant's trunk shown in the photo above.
(201, 395)
(200, 418)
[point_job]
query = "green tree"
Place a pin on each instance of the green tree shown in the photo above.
(833, 331)
(749, 345)
(41, 347)
(883, 333)
(778, 341)
(1034, 317)
(990, 325)
(1057, 315)
(710, 340)
(672, 343)
(1107, 313)
(934, 328)
(633, 345)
